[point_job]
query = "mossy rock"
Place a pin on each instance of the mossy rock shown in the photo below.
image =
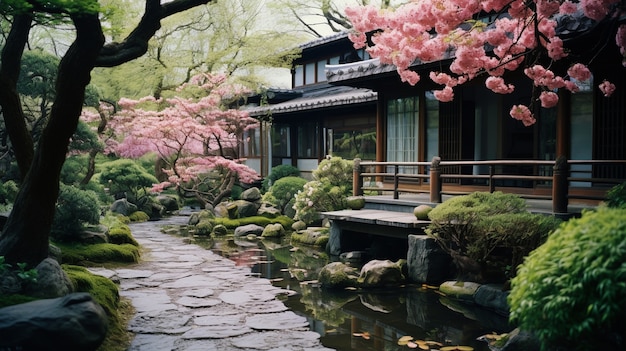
(219, 230)
(275, 230)
(459, 290)
(121, 235)
(355, 202)
(204, 228)
(99, 253)
(138, 216)
(421, 212)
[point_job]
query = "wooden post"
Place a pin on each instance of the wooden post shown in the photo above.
(492, 184)
(435, 180)
(560, 185)
(396, 182)
(357, 180)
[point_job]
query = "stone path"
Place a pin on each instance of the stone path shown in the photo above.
(189, 298)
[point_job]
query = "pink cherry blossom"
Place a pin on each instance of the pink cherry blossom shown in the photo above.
(522, 113)
(579, 72)
(516, 34)
(548, 99)
(607, 88)
(497, 85)
(189, 134)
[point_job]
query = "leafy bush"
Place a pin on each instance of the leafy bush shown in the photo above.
(316, 197)
(283, 191)
(616, 197)
(488, 234)
(570, 291)
(124, 176)
(74, 208)
(336, 170)
(278, 172)
(327, 192)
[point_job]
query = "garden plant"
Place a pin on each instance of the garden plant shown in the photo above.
(570, 291)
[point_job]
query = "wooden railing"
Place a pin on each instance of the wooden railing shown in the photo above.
(537, 178)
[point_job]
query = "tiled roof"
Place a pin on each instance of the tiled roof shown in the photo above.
(324, 40)
(336, 73)
(326, 96)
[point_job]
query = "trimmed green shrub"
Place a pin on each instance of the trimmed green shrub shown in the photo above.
(125, 177)
(74, 208)
(283, 191)
(488, 234)
(336, 170)
(570, 291)
(278, 172)
(616, 197)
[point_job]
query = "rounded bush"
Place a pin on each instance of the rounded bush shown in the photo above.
(121, 235)
(278, 172)
(283, 191)
(74, 208)
(488, 234)
(570, 291)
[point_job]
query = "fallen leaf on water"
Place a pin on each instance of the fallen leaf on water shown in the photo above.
(404, 340)
(412, 345)
(457, 348)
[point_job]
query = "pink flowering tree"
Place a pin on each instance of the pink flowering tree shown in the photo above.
(489, 38)
(195, 136)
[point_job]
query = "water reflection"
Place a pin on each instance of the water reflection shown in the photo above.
(357, 320)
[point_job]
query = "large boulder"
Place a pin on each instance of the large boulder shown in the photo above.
(51, 281)
(248, 229)
(123, 207)
(380, 273)
(427, 262)
(252, 195)
(169, 202)
(338, 275)
(247, 208)
(72, 322)
(275, 230)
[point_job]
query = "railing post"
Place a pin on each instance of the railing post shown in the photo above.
(357, 181)
(492, 184)
(435, 180)
(396, 182)
(560, 185)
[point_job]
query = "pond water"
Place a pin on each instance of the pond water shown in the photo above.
(357, 320)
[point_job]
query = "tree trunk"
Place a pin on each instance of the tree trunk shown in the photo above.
(25, 235)
(9, 99)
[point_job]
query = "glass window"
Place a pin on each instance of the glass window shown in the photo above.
(432, 126)
(321, 74)
(252, 142)
(582, 133)
(333, 60)
(353, 143)
(281, 141)
(298, 76)
(309, 73)
(402, 130)
(308, 137)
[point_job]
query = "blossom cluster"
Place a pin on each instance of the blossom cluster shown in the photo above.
(423, 31)
(191, 132)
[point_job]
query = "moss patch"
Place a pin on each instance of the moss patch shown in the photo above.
(121, 235)
(258, 220)
(98, 253)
